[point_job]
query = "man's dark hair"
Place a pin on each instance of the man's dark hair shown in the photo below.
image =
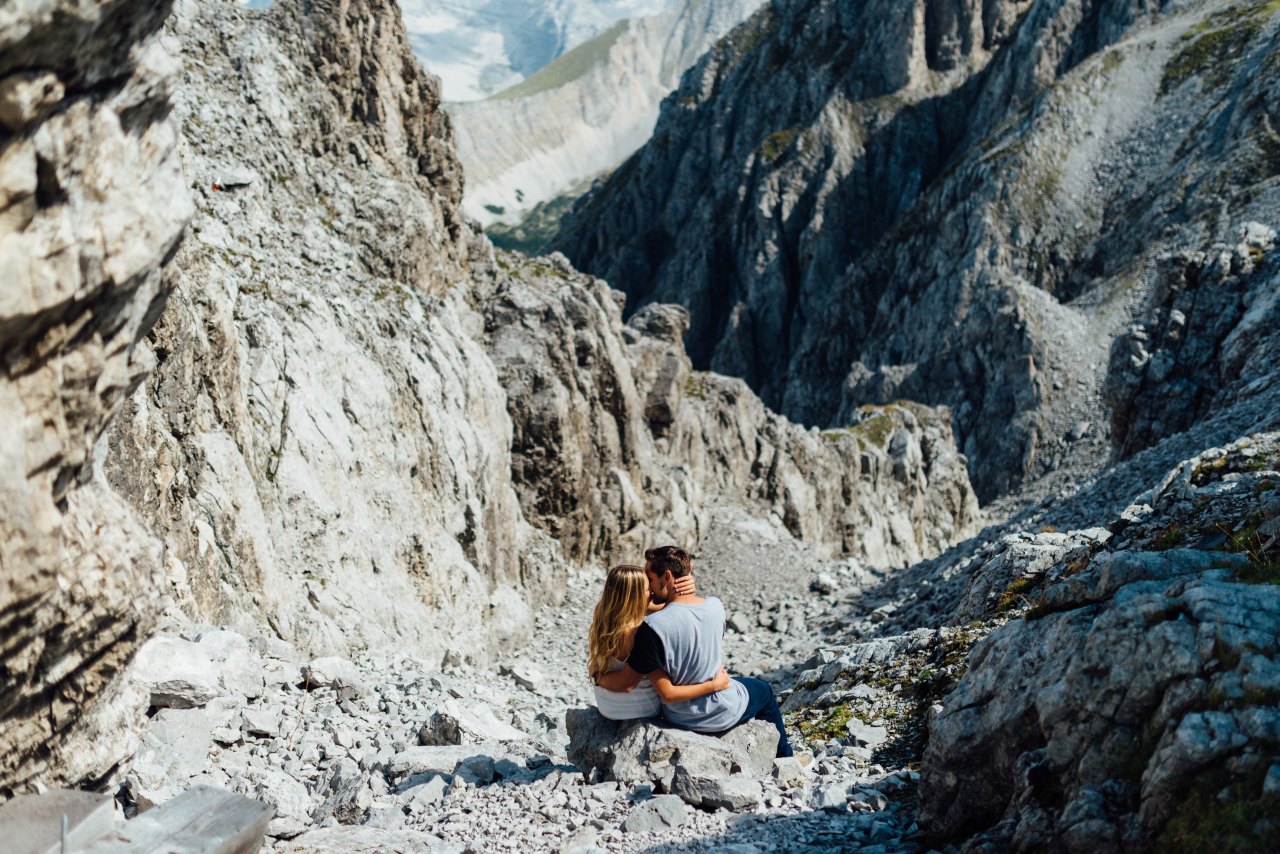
(672, 559)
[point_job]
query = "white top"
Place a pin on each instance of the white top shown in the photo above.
(640, 702)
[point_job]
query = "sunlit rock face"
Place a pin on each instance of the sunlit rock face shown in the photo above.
(263, 373)
(92, 204)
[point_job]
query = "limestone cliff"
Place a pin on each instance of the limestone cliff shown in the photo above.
(969, 220)
(322, 446)
(618, 443)
(92, 204)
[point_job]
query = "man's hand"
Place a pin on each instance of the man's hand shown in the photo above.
(721, 680)
(686, 586)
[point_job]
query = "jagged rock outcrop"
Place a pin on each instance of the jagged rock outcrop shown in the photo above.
(92, 204)
(1121, 694)
(618, 443)
(322, 447)
(583, 114)
(1209, 339)
(967, 221)
(1094, 727)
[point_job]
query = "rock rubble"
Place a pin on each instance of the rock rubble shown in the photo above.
(375, 770)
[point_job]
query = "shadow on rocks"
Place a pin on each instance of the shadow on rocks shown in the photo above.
(817, 831)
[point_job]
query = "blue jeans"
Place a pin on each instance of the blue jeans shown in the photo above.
(763, 706)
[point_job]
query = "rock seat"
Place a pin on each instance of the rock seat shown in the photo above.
(706, 771)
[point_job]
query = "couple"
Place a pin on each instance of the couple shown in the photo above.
(656, 648)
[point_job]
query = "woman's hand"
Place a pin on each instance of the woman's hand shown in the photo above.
(685, 586)
(721, 680)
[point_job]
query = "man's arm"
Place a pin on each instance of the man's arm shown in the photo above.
(673, 693)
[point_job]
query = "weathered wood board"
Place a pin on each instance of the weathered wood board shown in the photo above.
(202, 820)
(32, 824)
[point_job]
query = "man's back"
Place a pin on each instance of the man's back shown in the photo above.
(689, 648)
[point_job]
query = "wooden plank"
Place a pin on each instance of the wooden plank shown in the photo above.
(32, 824)
(202, 820)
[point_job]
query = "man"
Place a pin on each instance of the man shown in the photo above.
(685, 640)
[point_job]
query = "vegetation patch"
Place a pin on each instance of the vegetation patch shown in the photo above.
(776, 144)
(567, 67)
(1208, 46)
(1264, 564)
(1045, 188)
(1076, 566)
(1167, 538)
(532, 234)
(748, 35)
(1112, 60)
(1015, 594)
(1223, 816)
(824, 724)
(876, 430)
(696, 386)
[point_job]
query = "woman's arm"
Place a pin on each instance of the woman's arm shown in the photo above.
(684, 587)
(620, 680)
(672, 693)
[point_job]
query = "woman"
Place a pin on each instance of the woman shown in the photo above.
(618, 614)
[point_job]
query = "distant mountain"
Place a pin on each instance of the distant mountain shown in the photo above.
(480, 46)
(534, 146)
(976, 218)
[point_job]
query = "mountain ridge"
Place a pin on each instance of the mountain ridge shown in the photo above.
(582, 114)
(861, 260)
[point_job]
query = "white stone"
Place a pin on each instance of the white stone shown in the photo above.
(456, 722)
(175, 672)
(865, 735)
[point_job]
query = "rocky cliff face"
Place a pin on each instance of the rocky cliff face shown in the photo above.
(618, 443)
(1207, 342)
(322, 446)
(1133, 704)
(92, 204)
(969, 221)
(583, 114)
(357, 430)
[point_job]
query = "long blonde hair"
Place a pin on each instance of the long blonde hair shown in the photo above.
(621, 609)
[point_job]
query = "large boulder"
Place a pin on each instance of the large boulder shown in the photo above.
(641, 750)
(1137, 700)
(175, 672)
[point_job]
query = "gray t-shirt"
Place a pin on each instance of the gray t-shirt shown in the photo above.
(689, 648)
